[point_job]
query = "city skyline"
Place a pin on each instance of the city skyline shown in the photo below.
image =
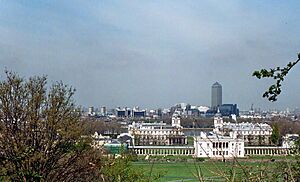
(154, 54)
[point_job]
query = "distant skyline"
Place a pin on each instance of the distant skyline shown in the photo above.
(154, 53)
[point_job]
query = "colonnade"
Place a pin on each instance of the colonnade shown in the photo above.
(182, 150)
(266, 151)
(162, 150)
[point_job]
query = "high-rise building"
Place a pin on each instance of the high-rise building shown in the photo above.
(91, 111)
(103, 111)
(216, 95)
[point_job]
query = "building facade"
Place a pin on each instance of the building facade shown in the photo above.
(253, 134)
(158, 133)
(213, 145)
(229, 109)
(216, 95)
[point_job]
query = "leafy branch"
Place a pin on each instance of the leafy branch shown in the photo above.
(278, 75)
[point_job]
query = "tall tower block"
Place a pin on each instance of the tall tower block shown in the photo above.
(216, 95)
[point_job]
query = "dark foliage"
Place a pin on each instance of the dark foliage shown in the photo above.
(278, 74)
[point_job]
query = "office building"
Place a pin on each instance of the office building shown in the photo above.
(103, 111)
(229, 109)
(91, 111)
(216, 95)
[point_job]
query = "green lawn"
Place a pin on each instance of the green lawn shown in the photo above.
(187, 171)
(289, 157)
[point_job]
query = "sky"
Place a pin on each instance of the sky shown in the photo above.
(154, 53)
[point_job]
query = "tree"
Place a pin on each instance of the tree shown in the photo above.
(275, 134)
(278, 74)
(120, 169)
(40, 134)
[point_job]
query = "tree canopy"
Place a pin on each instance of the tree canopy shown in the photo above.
(40, 132)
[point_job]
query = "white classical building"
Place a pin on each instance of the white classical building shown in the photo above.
(252, 133)
(158, 133)
(228, 139)
(99, 140)
(213, 145)
(288, 141)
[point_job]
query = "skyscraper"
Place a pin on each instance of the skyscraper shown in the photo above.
(216, 95)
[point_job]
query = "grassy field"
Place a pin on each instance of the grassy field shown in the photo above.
(211, 170)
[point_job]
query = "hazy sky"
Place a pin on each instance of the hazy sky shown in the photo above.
(154, 53)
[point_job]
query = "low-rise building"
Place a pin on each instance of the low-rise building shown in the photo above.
(288, 141)
(213, 145)
(99, 140)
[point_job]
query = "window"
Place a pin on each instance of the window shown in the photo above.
(214, 145)
(214, 153)
(226, 152)
(226, 144)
